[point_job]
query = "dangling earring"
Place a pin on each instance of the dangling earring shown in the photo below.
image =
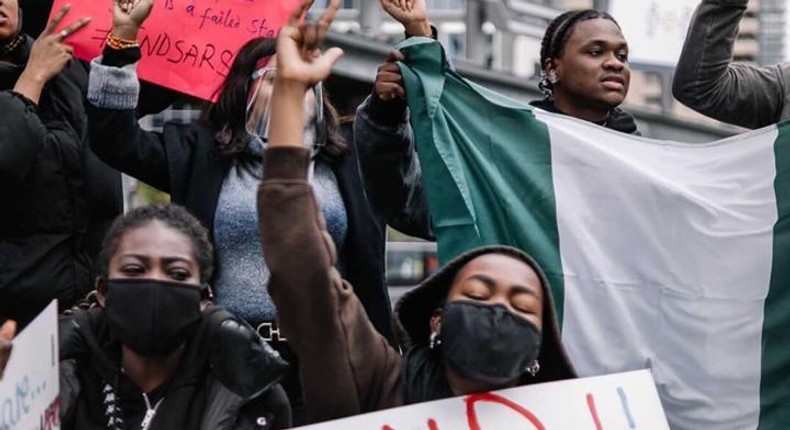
(434, 340)
(533, 368)
(547, 82)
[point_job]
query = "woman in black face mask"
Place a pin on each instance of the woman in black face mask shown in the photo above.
(155, 353)
(485, 321)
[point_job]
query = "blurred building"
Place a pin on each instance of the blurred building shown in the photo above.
(772, 22)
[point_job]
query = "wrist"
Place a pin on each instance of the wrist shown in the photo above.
(390, 113)
(30, 84)
(289, 85)
(419, 29)
(125, 32)
(32, 77)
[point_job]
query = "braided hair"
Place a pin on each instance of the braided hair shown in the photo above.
(175, 217)
(557, 35)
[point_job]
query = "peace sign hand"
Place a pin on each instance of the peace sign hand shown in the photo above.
(299, 58)
(49, 55)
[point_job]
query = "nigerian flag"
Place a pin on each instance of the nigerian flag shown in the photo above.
(662, 255)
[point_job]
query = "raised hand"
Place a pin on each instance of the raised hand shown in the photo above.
(300, 65)
(128, 16)
(299, 57)
(48, 56)
(413, 14)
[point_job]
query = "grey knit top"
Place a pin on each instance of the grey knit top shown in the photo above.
(241, 280)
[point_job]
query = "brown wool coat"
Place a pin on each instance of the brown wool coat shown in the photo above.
(346, 367)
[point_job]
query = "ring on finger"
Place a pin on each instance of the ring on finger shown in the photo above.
(63, 34)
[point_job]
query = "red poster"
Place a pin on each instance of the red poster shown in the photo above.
(188, 45)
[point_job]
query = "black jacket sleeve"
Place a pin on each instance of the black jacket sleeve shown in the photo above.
(119, 141)
(22, 138)
(390, 167)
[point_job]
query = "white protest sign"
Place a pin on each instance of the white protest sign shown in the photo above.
(30, 387)
(618, 401)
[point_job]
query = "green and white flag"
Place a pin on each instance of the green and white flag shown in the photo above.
(669, 256)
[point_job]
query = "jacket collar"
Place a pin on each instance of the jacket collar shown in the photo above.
(11, 70)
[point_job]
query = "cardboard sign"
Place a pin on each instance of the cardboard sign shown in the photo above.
(30, 387)
(188, 45)
(612, 402)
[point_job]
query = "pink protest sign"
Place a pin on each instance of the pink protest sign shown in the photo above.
(188, 45)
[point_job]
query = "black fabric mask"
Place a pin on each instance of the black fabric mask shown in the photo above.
(487, 343)
(151, 317)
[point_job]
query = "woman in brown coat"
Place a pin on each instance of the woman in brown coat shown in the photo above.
(486, 321)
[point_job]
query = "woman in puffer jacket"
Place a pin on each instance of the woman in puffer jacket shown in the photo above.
(156, 354)
(58, 197)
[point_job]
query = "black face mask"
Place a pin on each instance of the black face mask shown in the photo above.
(487, 343)
(152, 318)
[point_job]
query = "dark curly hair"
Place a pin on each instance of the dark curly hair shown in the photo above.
(228, 115)
(558, 33)
(173, 216)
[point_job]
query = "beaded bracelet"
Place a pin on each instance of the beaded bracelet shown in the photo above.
(115, 42)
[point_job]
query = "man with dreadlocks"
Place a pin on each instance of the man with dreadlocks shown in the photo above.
(585, 72)
(584, 61)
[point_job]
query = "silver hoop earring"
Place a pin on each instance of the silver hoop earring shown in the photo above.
(553, 78)
(533, 368)
(434, 340)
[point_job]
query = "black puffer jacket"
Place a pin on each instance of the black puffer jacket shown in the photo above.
(58, 198)
(226, 379)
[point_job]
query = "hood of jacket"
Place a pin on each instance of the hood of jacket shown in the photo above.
(619, 120)
(414, 310)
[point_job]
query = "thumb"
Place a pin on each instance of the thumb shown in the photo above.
(332, 55)
(395, 56)
(8, 330)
